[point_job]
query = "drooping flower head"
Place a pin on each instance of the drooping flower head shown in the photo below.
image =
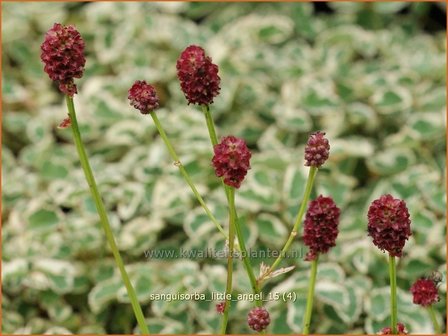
(62, 52)
(389, 224)
(258, 319)
(231, 160)
(198, 76)
(424, 292)
(317, 150)
(400, 328)
(321, 226)
(143, 97)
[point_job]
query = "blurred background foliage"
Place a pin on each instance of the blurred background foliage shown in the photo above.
(370, 75)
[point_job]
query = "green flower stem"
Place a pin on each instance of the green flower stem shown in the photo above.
(184, 173)
(310, 297)
(306, 195)
(242, 246)
(210, 125)
(232, 213)
(432, 314)
(393, 294)
(103, 216)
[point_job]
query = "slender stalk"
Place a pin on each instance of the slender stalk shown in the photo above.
(232, 213)
(242, 246)
(184, 173)
(435, 323)
(306, 195)
(210, 125)
(310, 297)
(103, 216)
(393, 294)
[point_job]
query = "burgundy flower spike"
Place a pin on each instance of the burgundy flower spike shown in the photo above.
(389, 224)
(198, 76)
(231, 160)
(425, 292)
(143, 97)
(321, 226)
(317, 150)
(258, 319)
(63, 56)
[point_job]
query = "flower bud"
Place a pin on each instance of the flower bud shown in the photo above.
(231, 160)
(317, 150)
(198, 76)
(258, 319)
(220, 307)
(400, 328)
(143, 97)
(389, 224)
(63, 56)
(321, 226)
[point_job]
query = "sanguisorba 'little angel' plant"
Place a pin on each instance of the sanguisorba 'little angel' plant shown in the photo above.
(200, 83)
(425, 293)
(63, 56)
(320, 231)
(389, 225)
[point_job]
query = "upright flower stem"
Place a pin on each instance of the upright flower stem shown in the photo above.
(103, 217)
(306, 195)
(310, 297)
(184, 173)
(245, 256)
(232, 213)
(393, 294)
(435, 323)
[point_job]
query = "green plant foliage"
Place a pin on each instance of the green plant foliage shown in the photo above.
(374, 83)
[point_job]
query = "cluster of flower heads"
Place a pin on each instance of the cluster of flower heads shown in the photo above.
(62, 52)
(320, 226)
(258, 319)
(198, 76)
(389, 224)
(388, 218)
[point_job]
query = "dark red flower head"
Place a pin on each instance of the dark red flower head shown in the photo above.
(198, 76)
(143, 97)
(321, 226)
(231, 160)
(220, 307)
(400, 328)
(425, 292)
(63, 56)
(389, 224)
(317, 150)
(258, 319)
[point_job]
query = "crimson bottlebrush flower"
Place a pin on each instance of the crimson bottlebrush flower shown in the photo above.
(143, 97)
(220, 307)
(321, 226)
(258, 319)
(424, 292)
(317, 150)
(389, 224)
(400, 328)
(62, 52)
(198, 76)
(231, 160)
